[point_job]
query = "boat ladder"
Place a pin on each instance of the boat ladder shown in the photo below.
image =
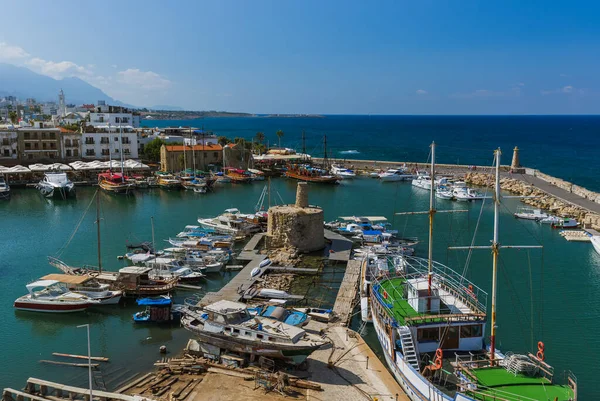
(99, 379)
(408, 348)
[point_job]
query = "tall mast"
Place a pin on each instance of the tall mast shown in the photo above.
(152, 224)
(303, 145)
(109, 151)
(325, 161)
(431, 214)
(495, 251)
(121, 151)
(98, 230)
(193, 156)
(184, 160)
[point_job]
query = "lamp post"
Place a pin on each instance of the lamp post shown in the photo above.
(87, 326)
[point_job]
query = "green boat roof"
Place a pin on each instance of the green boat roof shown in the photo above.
(499, 383)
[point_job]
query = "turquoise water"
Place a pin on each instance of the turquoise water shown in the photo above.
(563, 287)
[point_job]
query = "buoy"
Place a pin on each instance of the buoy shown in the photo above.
(163, 349)
(120, 257)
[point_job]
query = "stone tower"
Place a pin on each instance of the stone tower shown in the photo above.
(515, 166)
(62, 106)
(296, 226)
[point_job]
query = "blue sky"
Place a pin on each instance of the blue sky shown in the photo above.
(330, 57)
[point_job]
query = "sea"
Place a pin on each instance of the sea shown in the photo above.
(547, 294)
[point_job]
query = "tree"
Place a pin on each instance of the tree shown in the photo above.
(13, 117)
(152, 149)
(260, 137)
(223, 140)
(279, 136)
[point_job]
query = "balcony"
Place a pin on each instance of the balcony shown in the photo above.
(89, 142)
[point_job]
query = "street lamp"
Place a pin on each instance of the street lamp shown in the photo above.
(87, 326)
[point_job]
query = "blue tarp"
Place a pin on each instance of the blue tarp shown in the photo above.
(371, 232)
(160, 301)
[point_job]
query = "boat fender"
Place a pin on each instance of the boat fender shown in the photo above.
(540, 353)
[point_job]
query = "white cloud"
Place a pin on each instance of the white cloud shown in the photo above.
(148, 80)
(421, 92)
(564, 90)
(113, 65)
(59, 70)
(8, 52)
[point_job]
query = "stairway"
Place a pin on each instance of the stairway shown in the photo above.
(408, 348)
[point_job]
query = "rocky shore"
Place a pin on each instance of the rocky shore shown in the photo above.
(542, 200)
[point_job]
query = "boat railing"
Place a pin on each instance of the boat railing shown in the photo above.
(572, 382)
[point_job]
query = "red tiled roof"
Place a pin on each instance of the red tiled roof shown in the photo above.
(179, 148)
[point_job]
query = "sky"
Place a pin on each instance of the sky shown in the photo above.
(323, 57)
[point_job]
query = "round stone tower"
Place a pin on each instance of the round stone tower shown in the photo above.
(297, 226)
(515, 166)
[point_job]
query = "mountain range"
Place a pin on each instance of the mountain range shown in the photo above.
(24, 83)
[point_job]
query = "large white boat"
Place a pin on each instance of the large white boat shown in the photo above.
(52, 296)
(229, 325)
(396, 174)
(528, 213)
(56, 184)
(342, 171)
(4, 188)
(595, 240)
(231, 222)
(431, 322)
(89, 286)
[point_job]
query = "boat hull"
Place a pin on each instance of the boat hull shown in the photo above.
(5, 195)
(316, 179)
(116, 188)
(48, 307)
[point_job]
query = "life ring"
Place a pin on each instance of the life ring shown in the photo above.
(385, 294)
(540, 353)
(471, 287)
(439, 355)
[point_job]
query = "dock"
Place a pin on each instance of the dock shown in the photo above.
(340, 247)
(43, 390)
(254, 241)
(345, 300)
(575, 235)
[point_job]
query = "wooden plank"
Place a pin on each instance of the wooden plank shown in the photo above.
(93, 358)
(77, 365)
(79, 390)
(23, 394)
(134, 383)
(231, 373)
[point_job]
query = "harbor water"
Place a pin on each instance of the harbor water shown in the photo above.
(547, 295)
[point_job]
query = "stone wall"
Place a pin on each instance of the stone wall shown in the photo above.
(567, 186)
(299, 228)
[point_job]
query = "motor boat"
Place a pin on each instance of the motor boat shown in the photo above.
(566, 223)
(444, 192)
(530, 214)
(341, 171)
(595, 240)
(56, 184)
(87, 285)
(230, 222)
(51, 296)
(395, 174)
(4, 188)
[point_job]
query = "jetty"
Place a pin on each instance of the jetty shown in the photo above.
(340, 246)
(345, 300)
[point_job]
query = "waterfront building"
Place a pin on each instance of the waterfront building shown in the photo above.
(40, 142)
(8, 143)
(113, 115)
(238, 156)
(70, 145)
(102, 141)
(172, 158)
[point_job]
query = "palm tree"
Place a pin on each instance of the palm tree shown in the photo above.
(279, 135)
(13, 116)
(260, 137)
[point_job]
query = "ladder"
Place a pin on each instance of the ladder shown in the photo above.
(408, 348)
(98, 379)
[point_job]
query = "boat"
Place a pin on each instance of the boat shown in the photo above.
(319, 314)
(595, 240)
(229, 325)
(53, 297)
(423, 181)
(444, 192)
(528, 213)
(230, 222)
(464, 194)
(167, 181)
(90, 287)
(293, 317)
(272, 293)
(566, 222)
(550, 220)
(255, 272)
(4, 188)
(431, 322)
(395, 174)
(115, 183)
(56, 184)
(194, 184)
(158, 310)
(256, 175)
(237, 175)
(264, 263)
(305, 171)
(342, 171)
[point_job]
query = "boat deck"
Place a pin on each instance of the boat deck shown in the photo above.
(501, 384)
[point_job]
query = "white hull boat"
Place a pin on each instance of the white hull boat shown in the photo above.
(595, 240)
(4, 189)
(56, 185)
(50, 296)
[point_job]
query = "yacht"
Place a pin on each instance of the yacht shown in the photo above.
(56, 184)
(4, 188)
(229, 325)
(230, 222)
(88, 286)
(53, 297)
(444, 192)
(595, 240)
(341, 171)
(395, 174)
(528, 213)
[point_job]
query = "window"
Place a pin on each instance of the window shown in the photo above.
(90, 152)
(26, 135)
(259, 336)
(6, 153)
(216, 154)
(68, 152)
(236, 331)
(28, 146)
(89, 141)
(68, 143)
(105, 152)
(75, 152)
(5, 142)
(126, 151)
(428, 335)
(116, 138)
(471, 330)
(104, 140)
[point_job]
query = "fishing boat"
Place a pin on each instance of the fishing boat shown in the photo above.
(167, 181)
(228, 325)
(90, 287)
(237, 175)
(565, 222)
(395, 174)
(431, 322)
(230, 222)
(56, 184)
(4, 188)
(53, 297)
(341, 171)
(194, 184)
(528, 213)
(115, 183)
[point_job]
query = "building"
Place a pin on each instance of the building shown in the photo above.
(172, 158)
(8, 143)
(235, 155)
(38, 144)
(70, 145)
(102, 142)
(62, 107)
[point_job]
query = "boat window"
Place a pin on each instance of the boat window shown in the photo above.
(259, 336)
(471, 330)
(236, 331)
(428, 335)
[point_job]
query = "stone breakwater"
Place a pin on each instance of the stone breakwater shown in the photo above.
(542, 199)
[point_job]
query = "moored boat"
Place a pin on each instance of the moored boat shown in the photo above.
(343, 172)
(56, 184)
(115, 183)
(90, 287)
(237, 175)
(52, 297)
(528, 213)
(230, 222)
(167, 181)
(4, 188)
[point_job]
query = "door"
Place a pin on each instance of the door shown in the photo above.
(450, 340)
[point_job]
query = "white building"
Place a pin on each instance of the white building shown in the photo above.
(105, 142)
(113, 119)
(8, 143)
(50, 109)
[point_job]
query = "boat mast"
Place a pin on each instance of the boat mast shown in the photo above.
(193, 156)
(325, 162)
(109, 151)
(431, 214)
(303, 146)
(98, 230)
(184, 159)
(121, 151)
(495, 252)
(152, 225)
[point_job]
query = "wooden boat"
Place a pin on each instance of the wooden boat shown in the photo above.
(115, 183)
(305, 172)
(167, 181)
(237, 175)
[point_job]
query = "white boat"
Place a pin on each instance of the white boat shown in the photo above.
(566, 222)
(341, 171)
(272, 293)
(595, 240)
(88, 286)
(528, 213)
(255, 272)
(53, 297)
(550, 220)
(443, 192)
(265, 262)
(230, 222)
(4, 188)
(395, 174)
(56, 184)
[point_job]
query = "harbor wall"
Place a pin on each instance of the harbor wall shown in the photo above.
(567, 186)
